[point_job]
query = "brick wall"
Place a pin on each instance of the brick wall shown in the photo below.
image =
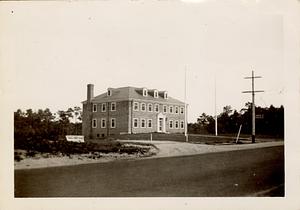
(86, 120)
(120, 115)
(153, 115)
(124, 116)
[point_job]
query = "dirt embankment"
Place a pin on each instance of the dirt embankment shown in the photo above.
(41, 160)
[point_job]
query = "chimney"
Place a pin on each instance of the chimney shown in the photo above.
(90, 92)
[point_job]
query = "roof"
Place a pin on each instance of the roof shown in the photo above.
(129, 93)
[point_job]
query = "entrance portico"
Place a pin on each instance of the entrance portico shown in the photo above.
(161, 123)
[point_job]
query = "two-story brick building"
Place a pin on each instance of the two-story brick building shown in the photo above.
(128, 110)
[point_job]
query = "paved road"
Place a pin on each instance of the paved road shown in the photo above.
(237, 173)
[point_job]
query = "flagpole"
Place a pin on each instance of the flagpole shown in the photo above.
(216, 117)
(185, 108)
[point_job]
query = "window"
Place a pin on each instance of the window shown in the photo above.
(143, 107)
(176, 124)
(103, 107)
(156, 108)
(94, 107)
(113, 122)
(94, 123)
(171, 109)
(103, 123)
(145, 92)
(109, 92)
(135, 122)
(171, 124)
(136, 106)
(143, 123)
(150, 108)
(149, 124)
(181, 124)
(155, 94)
(165, 95)
(181, 110)
(165, 108)
(113, 106)
(176, 110)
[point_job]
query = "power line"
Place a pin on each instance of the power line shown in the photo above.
(253, 91)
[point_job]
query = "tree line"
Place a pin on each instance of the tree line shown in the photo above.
(43, 124)
(42, 131)
(269, 121)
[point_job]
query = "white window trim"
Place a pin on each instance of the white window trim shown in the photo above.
(181, 123)
(155, 94)
(171, 123)
(177, 109)
(155, 107)
(111, 119)
(103, 105)
(103, 119)
(151, 107)
(138, 105)
(94, 120)
(165, 95)
(94, 105)
(137, 122)
(141, 124)
(113, 110)
(171, 107)
(177, 123)
(165, 106)
(145, 107)
(145, 92)
(149, 120)
(181, 110)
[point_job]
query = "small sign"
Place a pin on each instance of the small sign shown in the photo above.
(259, 116)
(75, 138)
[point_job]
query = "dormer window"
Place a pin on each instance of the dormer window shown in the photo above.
(165, 95)
(109, 92)
(145, 92)
(155, 94)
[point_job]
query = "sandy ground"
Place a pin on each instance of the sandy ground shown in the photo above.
(169, 148)
(164, 149)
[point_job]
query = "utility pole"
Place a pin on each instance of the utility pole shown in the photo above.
(253, 91)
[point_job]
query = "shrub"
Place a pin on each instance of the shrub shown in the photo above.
(31, 153)
(18, 157)
(68, 148)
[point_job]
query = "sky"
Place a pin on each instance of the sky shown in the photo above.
(57, 48)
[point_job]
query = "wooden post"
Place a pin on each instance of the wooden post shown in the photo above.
(237, 138)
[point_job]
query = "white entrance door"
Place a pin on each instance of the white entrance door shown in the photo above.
(161, 123)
